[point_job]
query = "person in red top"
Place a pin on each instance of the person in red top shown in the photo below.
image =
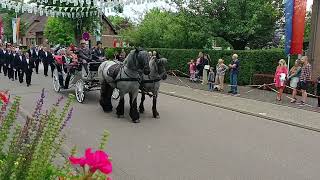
(280, 77)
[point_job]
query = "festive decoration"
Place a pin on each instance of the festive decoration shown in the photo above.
(81, 8)
(1, 29)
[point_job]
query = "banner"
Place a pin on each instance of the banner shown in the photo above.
(14, 30)
(18, 29)
(1, 29)
(289, 4)
(298, 24)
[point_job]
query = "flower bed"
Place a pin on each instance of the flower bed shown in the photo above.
(27, 151)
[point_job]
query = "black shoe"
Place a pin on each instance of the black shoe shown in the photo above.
(28, 85)
(230, 92)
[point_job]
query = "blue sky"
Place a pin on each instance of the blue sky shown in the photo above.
(135, 12)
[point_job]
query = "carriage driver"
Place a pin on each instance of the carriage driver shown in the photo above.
(85, 55)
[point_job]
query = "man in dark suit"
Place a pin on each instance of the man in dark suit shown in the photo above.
(10, 63)
(19, 64)
(4, 61)
(15, 64)
(46, 58)
(27, 65)
(51, 61)
(98, 52)
(37, 59)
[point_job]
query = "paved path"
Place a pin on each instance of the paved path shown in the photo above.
(191, 140)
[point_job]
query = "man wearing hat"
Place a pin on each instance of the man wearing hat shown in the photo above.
(84, 55)
(98, 52)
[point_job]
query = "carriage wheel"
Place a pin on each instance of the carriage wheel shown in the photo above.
(55, 81)
(80, 91)
(116, 94)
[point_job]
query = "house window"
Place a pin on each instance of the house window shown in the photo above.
(39, 42)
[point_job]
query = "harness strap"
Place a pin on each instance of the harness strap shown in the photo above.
(150, 81)
(126, 79)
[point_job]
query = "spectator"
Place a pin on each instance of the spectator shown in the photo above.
(123, 55)
(305, 78)
(206, 68)
(199, 65)
(280, 78)
(211, 79)
(234, 66)
(295, 73)
(192, 70)
(221, 69)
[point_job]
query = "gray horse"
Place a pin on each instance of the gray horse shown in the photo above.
(126, 77)
(151, 83)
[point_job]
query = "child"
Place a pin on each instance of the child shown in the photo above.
(211, 79)
(192, 70)
(221, 69)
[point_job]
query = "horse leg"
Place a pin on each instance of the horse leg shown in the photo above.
(120, 107)
(134, 114)
(141, 107)
(154, 106)
(105, 97)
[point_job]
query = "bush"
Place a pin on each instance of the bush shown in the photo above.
(251, 61)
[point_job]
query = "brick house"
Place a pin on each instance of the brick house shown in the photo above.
(35, 31)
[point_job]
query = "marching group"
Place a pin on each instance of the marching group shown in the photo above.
(17, 65)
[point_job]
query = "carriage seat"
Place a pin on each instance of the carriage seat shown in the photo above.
(93, 66)
(114, 70)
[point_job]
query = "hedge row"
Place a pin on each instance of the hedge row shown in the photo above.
(251, 61)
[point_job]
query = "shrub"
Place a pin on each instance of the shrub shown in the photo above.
(251, 61)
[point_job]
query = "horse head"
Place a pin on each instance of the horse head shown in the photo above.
(158, 67)
(142, 60)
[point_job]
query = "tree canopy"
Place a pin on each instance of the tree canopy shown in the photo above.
(57, 35)
(240, 22)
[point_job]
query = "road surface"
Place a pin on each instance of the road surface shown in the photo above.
(189, 141)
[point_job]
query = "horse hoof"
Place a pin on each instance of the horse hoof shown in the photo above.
(136, 121)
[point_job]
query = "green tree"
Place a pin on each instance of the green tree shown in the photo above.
(60, 31)
(240, 22)
(167, 30)
(120, 23)
(307, 30)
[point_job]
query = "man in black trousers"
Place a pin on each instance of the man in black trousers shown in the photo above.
(9, 64)
(37, 59)
(46, 58)
(14, 63)
(5, 61)
(1, 57)
(27, 66)
(19, 66)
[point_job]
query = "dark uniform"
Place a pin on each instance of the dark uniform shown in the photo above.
(37, 59)
(4, 62)
(27, 66)
(15, 65)
(47, 59)
(97, 53)
(9, 65)
(19, 64)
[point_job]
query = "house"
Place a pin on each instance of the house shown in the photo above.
(36, 25)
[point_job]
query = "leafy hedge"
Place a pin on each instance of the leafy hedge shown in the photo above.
(251, 61)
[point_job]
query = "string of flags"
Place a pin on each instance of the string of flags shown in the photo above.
(80, 9)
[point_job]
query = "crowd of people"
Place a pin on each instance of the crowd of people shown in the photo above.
(200, 70)
(298, 78)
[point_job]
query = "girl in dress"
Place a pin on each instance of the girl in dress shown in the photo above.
(280, 78)
(192, 70)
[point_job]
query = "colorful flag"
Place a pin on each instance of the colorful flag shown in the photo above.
(298, 24)
(295, 13)
(289, 4)
(18, 29)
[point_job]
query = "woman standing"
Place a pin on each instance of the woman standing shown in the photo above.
(295, 73)
(206, 69)
(280, 77)
(221, 69)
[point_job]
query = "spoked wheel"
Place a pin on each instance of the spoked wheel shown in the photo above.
(80, 91)
(55, 81)
(115, 94)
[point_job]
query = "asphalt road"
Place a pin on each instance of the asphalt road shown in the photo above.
(189, 141)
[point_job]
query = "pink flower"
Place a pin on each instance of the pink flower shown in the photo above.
(4, 97)
(108, 178)
(98, 160)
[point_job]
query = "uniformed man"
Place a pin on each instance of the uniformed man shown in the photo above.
(84, 55)
(10, 63)
(46, 58)
(1, 58)
(98, 52)
(28, 65)
(37, 59)
(19, 65)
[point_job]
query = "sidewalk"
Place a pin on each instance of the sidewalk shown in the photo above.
(249, 93)
(274, 112)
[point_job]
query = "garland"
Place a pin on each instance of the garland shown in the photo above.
(81, 8)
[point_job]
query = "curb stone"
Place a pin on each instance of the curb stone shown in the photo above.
(282, 121)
